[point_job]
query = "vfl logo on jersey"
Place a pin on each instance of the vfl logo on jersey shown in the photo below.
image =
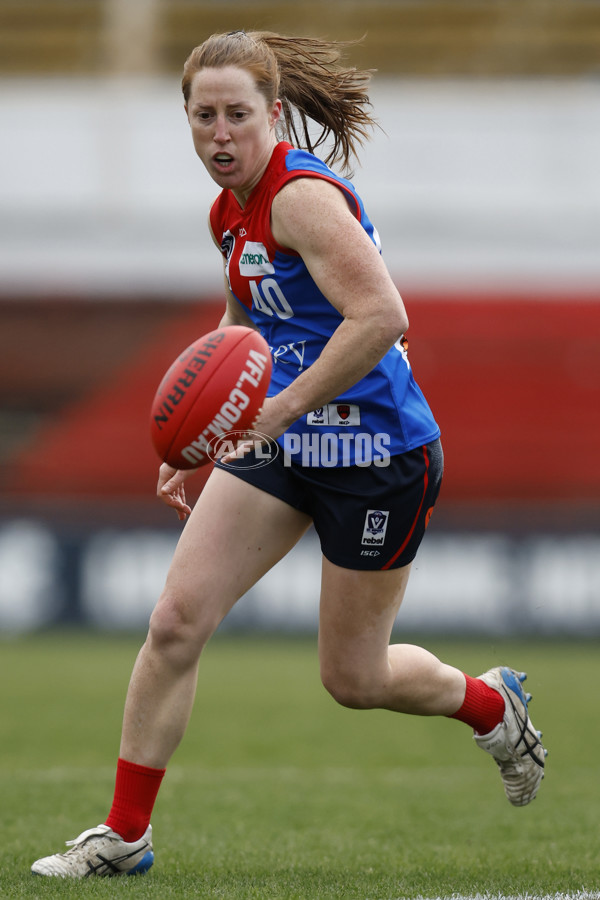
(227, 245)
(335, 414)
(254, 260)
(376, 522)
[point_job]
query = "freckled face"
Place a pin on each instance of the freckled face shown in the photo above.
(233, 128)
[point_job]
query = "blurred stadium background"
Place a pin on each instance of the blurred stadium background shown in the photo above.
(484, 184)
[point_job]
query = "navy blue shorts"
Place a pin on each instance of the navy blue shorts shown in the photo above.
(366, 517)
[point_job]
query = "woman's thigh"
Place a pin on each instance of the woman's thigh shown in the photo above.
(357, 614)
(235, 534)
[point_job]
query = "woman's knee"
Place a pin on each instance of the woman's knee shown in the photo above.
(179, 630)
(351, 687)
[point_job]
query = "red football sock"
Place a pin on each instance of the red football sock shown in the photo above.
(483, 707)
(136, 788)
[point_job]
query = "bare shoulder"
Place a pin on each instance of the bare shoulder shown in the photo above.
(306, 195)
(304, 206)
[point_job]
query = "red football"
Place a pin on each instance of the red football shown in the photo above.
(217, 385)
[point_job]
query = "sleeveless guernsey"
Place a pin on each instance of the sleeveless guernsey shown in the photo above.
(383, 414)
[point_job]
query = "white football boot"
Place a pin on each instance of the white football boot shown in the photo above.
(514, 743)
(99, 851)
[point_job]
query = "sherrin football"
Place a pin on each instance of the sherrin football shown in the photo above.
(217, 385)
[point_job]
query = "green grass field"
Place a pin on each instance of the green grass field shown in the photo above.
(277, 792)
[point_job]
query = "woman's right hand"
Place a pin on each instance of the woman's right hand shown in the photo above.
(171, 491)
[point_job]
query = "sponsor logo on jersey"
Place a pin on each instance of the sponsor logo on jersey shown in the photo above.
(335, 414)
(376, 521)
(317, 417)
(291, 354)
(254, 260)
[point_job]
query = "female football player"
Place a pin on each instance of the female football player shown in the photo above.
(360, 451)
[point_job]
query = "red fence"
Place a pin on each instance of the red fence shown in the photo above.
(513, 381)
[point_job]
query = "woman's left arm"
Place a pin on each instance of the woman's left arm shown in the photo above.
(312, 217)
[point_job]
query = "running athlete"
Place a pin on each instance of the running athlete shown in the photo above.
(360, 451)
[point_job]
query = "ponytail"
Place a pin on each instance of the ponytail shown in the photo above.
(309, 78)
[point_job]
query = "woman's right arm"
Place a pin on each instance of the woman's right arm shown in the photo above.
(171, 491)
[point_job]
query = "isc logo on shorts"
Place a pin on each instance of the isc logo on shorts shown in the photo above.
(376, 522)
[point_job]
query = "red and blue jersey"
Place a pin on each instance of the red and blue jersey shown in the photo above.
(277, 292)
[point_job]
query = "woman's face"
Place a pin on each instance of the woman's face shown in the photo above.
(233, 128)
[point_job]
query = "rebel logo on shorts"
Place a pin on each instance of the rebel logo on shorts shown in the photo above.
(376, 521)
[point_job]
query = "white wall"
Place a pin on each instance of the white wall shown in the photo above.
(485, 183)
(461, 583)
